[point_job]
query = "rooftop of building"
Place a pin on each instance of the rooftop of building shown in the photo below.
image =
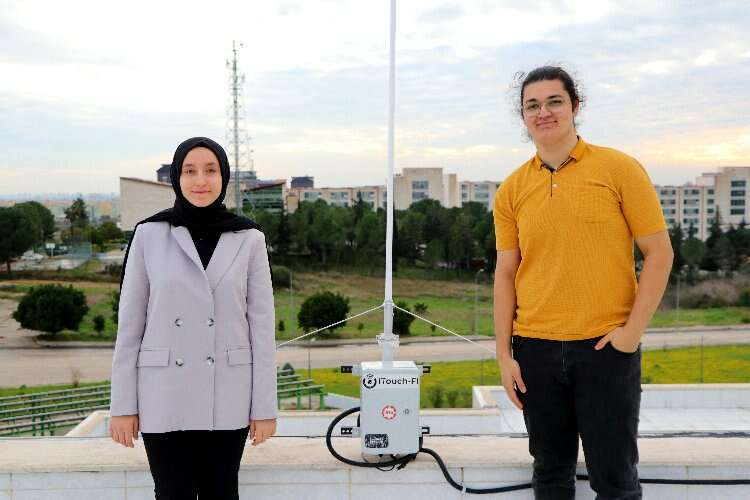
(688, 432)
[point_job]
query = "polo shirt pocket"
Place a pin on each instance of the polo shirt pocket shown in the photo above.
(239, 356)
(153, 356)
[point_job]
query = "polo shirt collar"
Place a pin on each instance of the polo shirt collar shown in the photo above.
(576, 154)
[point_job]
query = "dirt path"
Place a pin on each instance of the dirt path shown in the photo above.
(11, 333)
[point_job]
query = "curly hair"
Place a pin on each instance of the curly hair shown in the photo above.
(521, 79)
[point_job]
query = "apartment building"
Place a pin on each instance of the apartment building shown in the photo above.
(415, 184)
(338, 197)
(723, 192)
(482, 192)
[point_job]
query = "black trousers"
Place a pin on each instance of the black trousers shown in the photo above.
(186, 464)
(571, 390)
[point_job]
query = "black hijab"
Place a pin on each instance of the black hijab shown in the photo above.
(212, 218)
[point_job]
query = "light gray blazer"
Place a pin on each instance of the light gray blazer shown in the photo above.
(195, 349)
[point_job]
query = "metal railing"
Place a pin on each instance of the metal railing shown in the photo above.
(41, 413)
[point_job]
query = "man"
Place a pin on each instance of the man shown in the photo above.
(566, 292)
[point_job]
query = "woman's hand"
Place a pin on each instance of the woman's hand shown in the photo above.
(260, 430)
(124, 429)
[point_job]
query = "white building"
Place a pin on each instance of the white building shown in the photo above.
(697, 203)
(482, 192)
(140, 198)
(415, 184)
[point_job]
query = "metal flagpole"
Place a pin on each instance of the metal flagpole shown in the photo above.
(388, 340)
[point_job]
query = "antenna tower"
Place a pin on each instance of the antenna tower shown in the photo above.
(237, 138)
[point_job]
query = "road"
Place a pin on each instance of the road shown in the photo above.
(22, 362)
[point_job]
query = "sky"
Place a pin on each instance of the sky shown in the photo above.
(91, 90)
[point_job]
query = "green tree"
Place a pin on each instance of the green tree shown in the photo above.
(269, 222)
(411, 230)
(284, 238)
(115, 303)
(51, 308)
(41, 220)
(370, 240)
(434, 253)
(99, 323)
(322, 309)
(15, 237)
(676, 237)
(461, 242)
(77, 215)
(108, 231)
(401, 320)
(693, 250)
(709, 262)
(724, 254)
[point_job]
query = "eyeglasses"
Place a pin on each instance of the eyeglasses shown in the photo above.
(533, 108)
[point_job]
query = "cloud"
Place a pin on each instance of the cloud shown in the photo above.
(89, 92)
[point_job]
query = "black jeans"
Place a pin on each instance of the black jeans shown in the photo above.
(572, 390)
(189, 463)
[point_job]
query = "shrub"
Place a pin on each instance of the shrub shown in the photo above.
(402, 321)
(360, 326)
(115, 301)
(420, 308)
(435, 396)
(322, 309)
(744, 298)
(99, 323)
(113, 270)
(51, 308)
(711, 293)
(452, 398)
(282, 326)
(280, 276)
(704, 301)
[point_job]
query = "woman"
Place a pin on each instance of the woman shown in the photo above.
(194, 364)
(566, 292)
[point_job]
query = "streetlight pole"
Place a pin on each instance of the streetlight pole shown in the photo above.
(476, 301)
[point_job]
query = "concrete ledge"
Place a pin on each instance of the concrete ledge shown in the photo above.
(284, 468)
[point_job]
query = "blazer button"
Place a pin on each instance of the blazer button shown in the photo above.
(210, 322)
(178, 322)
(178, 362)
(210, 360)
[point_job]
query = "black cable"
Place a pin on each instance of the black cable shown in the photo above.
(476, 491)
(715, 482)
(403, 461)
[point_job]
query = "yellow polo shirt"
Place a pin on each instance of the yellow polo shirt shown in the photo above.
(575, 229)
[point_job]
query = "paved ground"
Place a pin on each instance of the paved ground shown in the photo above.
(24, 362)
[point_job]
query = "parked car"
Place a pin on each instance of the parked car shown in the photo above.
(31, 255)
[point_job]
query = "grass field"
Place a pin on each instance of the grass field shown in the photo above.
(450, 303)
(721, 364)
